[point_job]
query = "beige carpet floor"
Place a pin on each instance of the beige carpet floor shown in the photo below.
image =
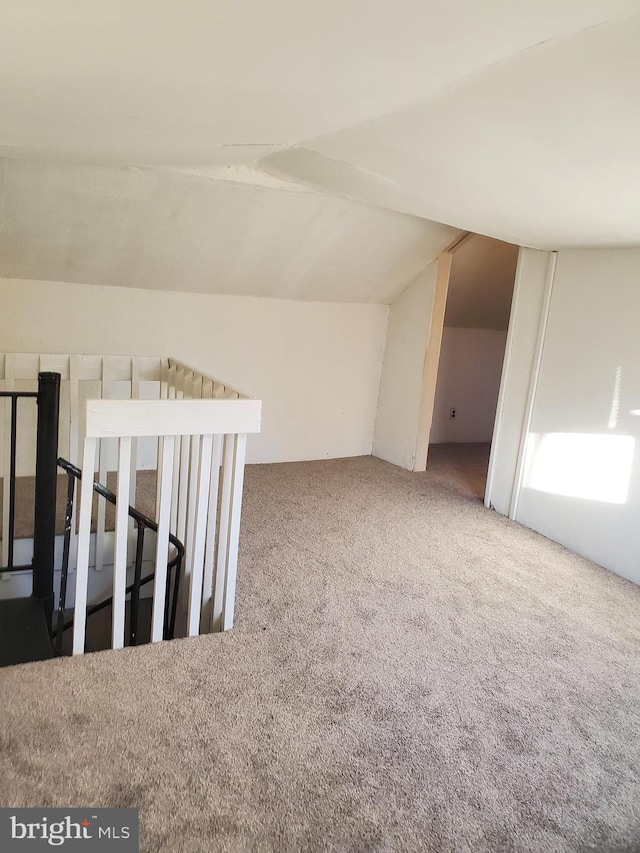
(408, 671)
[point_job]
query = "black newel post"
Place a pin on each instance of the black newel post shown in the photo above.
(45, 504)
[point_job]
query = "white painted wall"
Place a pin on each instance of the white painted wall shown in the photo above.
(468, 381)
(575, 421)
(582, 475)
(316, 366)
(402, 381)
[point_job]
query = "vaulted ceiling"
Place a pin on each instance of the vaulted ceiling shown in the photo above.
(318, 150)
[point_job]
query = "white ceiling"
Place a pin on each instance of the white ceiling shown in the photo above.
(540, 150)
(171, 81)
(511, 118)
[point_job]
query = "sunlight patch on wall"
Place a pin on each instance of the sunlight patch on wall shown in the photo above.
(580, 465)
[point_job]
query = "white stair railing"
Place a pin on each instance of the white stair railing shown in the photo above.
(216, 431)
(121, 380)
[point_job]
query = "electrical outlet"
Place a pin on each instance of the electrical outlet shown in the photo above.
(452, 414)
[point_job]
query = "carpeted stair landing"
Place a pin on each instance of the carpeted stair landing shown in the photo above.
(409, 671)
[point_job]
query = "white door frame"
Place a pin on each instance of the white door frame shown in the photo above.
(432, 363)
(527, 368)
(432, 353)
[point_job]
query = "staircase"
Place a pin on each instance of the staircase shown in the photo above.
(178, 566)
(134, 590)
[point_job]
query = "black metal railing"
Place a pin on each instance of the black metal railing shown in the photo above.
(48, 401)
(14, 396)
(143, 523)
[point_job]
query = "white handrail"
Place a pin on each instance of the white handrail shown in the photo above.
(147, 418)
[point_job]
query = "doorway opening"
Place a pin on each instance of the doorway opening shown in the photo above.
(474, 337)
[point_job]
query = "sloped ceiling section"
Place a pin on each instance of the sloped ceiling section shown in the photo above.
(539, 150)
(309, 150)
(481, 284)
(177, 82)
(166, 230)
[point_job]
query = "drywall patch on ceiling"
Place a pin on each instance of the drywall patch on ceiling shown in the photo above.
(239, 174)
(165, 230)
(314, 170)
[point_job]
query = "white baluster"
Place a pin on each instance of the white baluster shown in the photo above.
(84, 537)
(120, 550)
(200, 532)
(162, 543)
